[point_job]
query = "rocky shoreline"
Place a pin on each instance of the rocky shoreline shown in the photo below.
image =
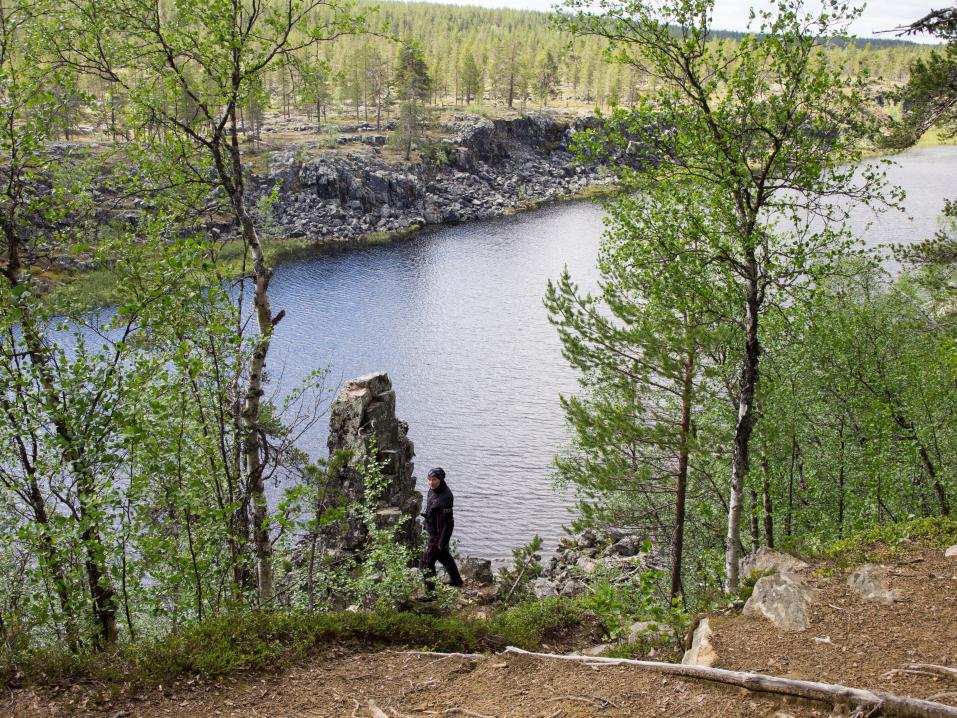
(485, 169)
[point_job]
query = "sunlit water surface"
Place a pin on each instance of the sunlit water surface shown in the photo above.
(456, 318)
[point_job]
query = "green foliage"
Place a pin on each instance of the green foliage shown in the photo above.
(928, 99)
(528, 623)
(618, 600)
(745, 147)
(413, 85)
(514, 582)
(889, 541)
(272, 640)
(384, 577)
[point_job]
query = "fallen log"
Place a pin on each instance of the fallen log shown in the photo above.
(876, 702)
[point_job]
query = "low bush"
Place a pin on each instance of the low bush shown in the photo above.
(528, 624)
(888, 541)
(265, 641)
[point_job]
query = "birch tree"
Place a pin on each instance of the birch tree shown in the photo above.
(189, 67)
(771, 135)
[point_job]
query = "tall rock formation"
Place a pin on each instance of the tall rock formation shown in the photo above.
(363, 415)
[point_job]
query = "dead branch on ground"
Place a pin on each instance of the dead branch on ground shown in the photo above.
(890, 705)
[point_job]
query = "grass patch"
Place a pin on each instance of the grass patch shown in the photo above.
(890, 541)
(269, 641)
(528, 624)
(934, 138)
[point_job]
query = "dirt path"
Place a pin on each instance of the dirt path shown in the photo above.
(860, 643)
(850, 642)
(404, 685)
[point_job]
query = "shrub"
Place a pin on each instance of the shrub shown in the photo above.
(529, 623)
(889, 540)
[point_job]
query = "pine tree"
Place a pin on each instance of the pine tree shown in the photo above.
(413, 89)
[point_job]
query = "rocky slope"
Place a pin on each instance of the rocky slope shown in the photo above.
(486, 168)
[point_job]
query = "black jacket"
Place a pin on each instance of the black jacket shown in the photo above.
(439, 521)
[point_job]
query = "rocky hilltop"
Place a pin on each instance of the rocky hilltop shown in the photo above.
(484, 169)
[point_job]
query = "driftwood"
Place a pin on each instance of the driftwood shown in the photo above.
(886, 704)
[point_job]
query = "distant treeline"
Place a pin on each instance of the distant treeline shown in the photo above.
(487, 59)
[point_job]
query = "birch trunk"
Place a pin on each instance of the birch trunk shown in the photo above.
(743, 429)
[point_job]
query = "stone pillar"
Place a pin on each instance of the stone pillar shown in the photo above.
(365, 408)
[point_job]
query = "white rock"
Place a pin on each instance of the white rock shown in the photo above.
(870, 582)
(598, 650)
(951, 552)
(782, 598)
(702, 651)
(766, 559)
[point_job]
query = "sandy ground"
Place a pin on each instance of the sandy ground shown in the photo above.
(849, 642)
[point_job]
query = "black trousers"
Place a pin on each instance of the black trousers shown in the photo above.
(438, 551)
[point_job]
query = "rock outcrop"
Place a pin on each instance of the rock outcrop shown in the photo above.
(364, 426)
(485, 169)
(701, 652)
(580, 556)
(870, 582)
(782, 598)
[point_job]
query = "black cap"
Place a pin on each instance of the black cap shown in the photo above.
(438, 472)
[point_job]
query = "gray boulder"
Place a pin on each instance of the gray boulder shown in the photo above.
(478, 570)
(573, 588)
(626, 546)
(782, 598)
(870, 582)
(765, 559)
(951, 552)
(543, 588)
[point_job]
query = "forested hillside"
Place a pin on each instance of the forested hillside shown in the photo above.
(750, 376)
(488, 60)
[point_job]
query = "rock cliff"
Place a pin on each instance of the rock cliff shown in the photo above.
(483, 170)
(363, 420)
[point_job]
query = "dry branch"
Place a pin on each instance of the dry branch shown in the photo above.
(924, 669)
(890, 705)
(594, 700)
(933, 668)
(465, 712)
(439, 654)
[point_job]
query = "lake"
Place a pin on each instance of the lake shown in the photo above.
(455, 316)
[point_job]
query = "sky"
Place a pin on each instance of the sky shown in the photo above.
(733, 14)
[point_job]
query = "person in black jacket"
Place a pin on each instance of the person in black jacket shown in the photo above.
(439, 523)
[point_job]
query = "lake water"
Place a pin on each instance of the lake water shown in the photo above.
(455, 316)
